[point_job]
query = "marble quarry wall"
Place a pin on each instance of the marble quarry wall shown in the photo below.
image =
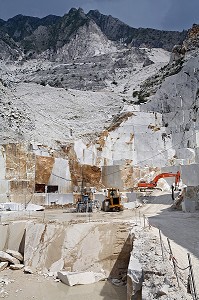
(99, 247)
(121, 156)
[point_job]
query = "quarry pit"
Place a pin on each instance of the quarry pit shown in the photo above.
(123, 246)
(56, 140)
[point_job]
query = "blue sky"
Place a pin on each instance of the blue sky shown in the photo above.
(159, 14)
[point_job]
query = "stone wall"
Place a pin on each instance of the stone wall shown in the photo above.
(80, 247)
(189, 173)
(12, 235)
(121, 156)
(74, 246)
(17, 174)
(136, 140)
(23, 166)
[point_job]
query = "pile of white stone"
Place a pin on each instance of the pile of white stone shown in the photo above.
(12, 259)
(149, 275)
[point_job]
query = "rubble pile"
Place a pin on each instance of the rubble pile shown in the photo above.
(12, 259)
(156, 274)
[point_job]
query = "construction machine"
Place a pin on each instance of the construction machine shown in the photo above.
(84, 201)
(112, 202)
(84, 204)
(153, 184)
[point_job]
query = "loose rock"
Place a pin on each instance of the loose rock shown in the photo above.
(7, 257)
(28, 270)
(75, 278)
(15, 254)
(163, 290)
(3, 265)
(17, 267)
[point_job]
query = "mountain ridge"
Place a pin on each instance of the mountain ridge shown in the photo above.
(53, 32)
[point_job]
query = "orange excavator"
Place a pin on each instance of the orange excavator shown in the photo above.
(152, 184)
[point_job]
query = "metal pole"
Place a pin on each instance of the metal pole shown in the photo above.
(192, 277)
(161, 244)
(174, 265)
(144, 221)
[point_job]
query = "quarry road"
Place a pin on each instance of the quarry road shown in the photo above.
(181, 228)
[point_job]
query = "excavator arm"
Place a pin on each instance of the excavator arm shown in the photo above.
(153, 183)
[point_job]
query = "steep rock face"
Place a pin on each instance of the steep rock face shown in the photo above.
(69, 24)
(54, 32)
(101, 132)
(113, 28)
(177, 99)
(38, 41)
(100, 247)
(35, 35)
(60, 36)
(87, 41)
(2, 22)
(43, 169)
(192, 40)
(157, 38)
(19, 27)
(9, 50)
(17, 175)
(118, 31)
(14, 119)
(77, 118)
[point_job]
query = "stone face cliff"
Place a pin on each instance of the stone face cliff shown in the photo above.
(174, 94)
(125, 110)
(9, 49)
(116, 30)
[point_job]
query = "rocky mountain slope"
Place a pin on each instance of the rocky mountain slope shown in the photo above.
(116, 105)
(116, 30)
(174, 93)
(52, 33)
(30, 92)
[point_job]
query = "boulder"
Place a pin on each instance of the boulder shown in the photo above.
(3, 265)
(7, 257)
(34, 207)
(129, 205)
(17, 267)
(163, 290)
(57, 266)
(52, 274)
(15, 254)
(75, 278)
(134, 279)
(11, 206)
(28, 270)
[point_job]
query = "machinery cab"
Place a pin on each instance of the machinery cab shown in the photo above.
(84, 203)
(153, 184)
(112, 201)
